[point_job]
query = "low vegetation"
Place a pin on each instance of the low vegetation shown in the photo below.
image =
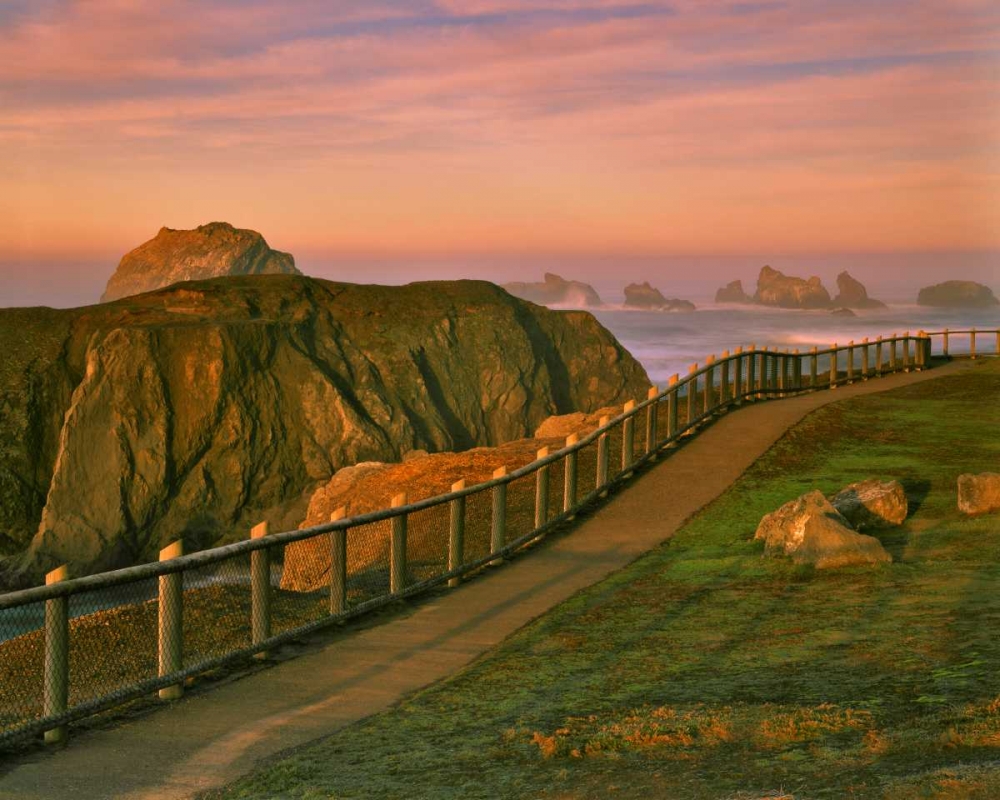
(706, 671)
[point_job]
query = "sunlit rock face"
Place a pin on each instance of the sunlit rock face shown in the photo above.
(957, 294)
(774, 288)
(198, 410)
(209, 251)
(556, 291)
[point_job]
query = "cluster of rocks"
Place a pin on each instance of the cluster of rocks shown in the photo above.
(827, 533)
(778, 290)
(554, 290)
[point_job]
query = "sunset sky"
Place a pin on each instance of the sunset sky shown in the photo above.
(498, 134)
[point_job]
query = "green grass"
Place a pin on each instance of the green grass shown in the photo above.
(707, 671)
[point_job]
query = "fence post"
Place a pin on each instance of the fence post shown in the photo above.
(972, 343)
(710, 385)
(850, 361)
(397, 556)
(260, 590)
(865, 367)
(498, 530)
(833, 366)
(879, 353)
(813, 367)
(628, 436)
(692, 394)
(780, 364)
(602, 455)
(892, 353)
(737, 381)
(569, 479)
(456, 534)
(542, 490)
(919, 353)
(724, 379)
(170, 612)
(998, 345)
(762, 375)
(751, 372)
(944, 342)
(906, 352)
(672, 402)
(338, 565)
(56, 687)
(652, 411)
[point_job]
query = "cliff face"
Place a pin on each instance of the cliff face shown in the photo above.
(556, 291)
(732, 292)
(195, 411)
(209, 251)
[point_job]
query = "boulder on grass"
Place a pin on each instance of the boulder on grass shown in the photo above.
(872, 504)
(979, 494)
(812, 531)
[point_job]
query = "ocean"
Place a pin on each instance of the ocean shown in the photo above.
(666, 343)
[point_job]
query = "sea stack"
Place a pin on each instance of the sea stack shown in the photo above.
(214, 250)
(957, 294)
(644, 296)
(733, 292)
(853, 294)
(555, 290)
(774, 288)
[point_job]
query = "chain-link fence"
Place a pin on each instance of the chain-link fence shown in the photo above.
(77, 646)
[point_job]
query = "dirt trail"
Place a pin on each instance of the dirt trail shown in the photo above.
(211, 738)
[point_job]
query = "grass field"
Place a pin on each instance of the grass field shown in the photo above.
(704, 670)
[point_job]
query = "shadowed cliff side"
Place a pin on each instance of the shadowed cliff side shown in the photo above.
(198, 409)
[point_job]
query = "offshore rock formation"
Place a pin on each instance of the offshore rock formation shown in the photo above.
(853, 294)
(732, 292)
(642, 295)
(209, 251)
(198, 410)
(774, 288)
(556, 291)
(957, 294)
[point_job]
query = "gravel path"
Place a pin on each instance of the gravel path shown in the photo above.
(211, 737)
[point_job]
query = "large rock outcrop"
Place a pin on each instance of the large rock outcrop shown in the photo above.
(957, 294)
(199, 409)
(851, 293)
(214, 250)
(979, 494)
(556, 291)
(774, 288)
(644, 296)
(811, 531)
(732, 292)
(872, 504)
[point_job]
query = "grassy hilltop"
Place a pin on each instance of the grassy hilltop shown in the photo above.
(705, 671)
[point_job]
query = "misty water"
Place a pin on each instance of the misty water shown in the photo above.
(666, 343)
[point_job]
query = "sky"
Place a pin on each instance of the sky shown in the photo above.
(685, 142)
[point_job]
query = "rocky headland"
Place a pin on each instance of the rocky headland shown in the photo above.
(733, 292)
(198, 410)
(556, 291)
(644, 296)
(957, 294)
(209, 251)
